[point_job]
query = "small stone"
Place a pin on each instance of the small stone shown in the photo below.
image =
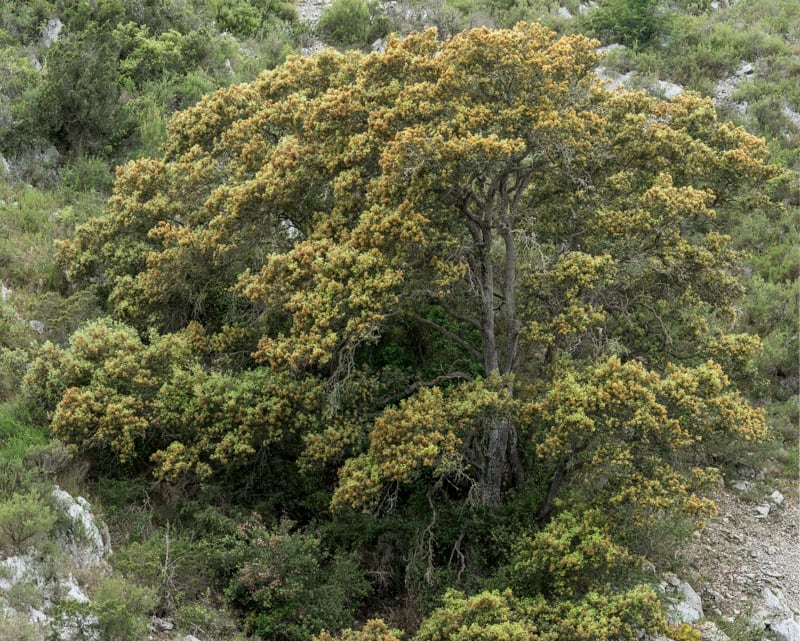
(743, 486)
(776, 497)
(763, 511)
(773, 573)
(190, 637)
(157, 624)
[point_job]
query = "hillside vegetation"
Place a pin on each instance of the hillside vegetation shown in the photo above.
(430, 335)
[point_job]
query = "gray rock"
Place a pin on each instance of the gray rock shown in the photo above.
(776, 602)
(763, 511)
(613, 46)
(669, 89)
(35, 62)
(794, 118)
(51, 31)
(614, 79)
(787, 629)
(777, 497)
(687, 606)
(190, 637)
(85, 545)
(37, 616)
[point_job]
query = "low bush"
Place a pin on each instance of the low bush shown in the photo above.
(352, 23)
(25, 521)
(283, 583)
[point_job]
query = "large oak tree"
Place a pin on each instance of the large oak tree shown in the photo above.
(494, 264)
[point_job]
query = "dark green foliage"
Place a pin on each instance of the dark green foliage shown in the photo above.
(629, 22)
(25, 521)
(80, 104)
(23, 20)
(352, 23)
(218, 430)
(283, 582)
(119, 610)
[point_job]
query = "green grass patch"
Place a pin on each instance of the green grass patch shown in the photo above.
(17, 434)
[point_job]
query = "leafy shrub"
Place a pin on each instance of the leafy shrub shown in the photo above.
(23, 595)
(629, 22)
(79, 105)
(87, 173)
(14, 331)
(19, 628)
(118, 611)
(244, 18)
(15, 476)
(121, 608)
(569, 558)
(23, 20)
(502, 616)
(25, 521)
(352, 22)
(284, 583)
(170, 564)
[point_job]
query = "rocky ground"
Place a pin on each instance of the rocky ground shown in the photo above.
(745, 564)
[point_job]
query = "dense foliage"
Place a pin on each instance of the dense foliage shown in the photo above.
(435, 337)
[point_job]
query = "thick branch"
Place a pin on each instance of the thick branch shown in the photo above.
(438, 300)
(555, 485)
(475, 353)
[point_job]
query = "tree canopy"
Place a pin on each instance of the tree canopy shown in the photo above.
(484, 202)
(449, 270)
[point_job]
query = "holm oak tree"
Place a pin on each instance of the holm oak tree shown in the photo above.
(491, 263)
